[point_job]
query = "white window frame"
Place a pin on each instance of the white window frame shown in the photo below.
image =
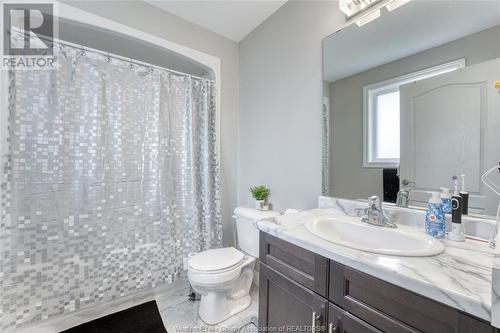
(370, 94)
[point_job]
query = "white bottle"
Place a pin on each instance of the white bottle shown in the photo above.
(446, 197)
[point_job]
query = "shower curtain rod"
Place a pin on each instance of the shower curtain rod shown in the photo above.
(119, 57)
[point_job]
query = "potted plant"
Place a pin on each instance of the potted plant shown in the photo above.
(260, 194)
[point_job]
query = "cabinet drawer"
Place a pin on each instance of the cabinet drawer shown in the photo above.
(286, 306)
(302, 266)
(390, 308)
(343, 322)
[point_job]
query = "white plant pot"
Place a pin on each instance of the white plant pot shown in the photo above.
(259, 204)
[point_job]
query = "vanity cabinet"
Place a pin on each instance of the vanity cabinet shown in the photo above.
(300, 289)
(340, 321)
(287, 305)
(393, 309)
(297, 264)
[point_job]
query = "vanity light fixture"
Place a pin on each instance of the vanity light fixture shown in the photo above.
(355, 7)
(364, 11)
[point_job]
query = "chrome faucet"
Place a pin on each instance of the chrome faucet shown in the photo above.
(403, 197)
(375, 214)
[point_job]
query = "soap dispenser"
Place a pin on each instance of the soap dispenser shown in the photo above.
(434, 217)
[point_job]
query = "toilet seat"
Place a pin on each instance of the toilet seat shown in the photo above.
(217, 266)
(216, 259)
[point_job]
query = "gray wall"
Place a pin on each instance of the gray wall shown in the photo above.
(348, 179)
(142, 16)
(279, 142)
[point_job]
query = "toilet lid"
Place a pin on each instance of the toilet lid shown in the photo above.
(216, 259)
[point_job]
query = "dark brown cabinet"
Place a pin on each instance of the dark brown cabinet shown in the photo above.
(297, 264)
(303, 291)
(286, 306)
(340, 321)
(393, 309)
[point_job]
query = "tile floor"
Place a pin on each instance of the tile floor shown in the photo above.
(181, 315)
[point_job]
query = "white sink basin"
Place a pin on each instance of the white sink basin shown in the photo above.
(350, 232)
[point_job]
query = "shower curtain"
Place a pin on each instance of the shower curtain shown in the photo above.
(110, 179)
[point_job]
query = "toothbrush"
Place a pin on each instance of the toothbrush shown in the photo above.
(455, 184)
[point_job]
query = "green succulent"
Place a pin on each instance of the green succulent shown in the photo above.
(260, 192)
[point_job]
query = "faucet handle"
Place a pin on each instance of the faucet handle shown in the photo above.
(374, 202)
(360, 212)
(407, 182)
(376, 214)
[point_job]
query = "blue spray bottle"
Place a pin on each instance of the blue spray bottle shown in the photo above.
(434, 217)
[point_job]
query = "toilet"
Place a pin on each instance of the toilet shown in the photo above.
(223, 276)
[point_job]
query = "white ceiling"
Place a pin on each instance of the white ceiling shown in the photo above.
(412, 28)
(232, 19)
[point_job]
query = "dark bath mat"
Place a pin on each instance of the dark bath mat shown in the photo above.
(143, 318)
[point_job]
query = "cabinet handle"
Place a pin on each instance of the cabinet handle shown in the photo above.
(315, 318)
(331, 328)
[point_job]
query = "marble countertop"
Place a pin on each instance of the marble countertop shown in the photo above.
(460, 277)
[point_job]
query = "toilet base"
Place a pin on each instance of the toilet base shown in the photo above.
(226, 308)
(223, 294)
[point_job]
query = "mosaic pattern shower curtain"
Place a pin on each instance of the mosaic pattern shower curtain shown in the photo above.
(110, 179)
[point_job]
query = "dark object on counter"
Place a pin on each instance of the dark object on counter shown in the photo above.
(465, 202)
(143, 318)
(456, 209)
(465, 197)
(457, 233)
(391, 185)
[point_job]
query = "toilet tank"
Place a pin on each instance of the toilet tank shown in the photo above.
(247, 233)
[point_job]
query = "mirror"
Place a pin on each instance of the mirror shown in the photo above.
(410, 100)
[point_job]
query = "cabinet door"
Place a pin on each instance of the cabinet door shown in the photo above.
(286, 306)
(340, 321)
(305, 267)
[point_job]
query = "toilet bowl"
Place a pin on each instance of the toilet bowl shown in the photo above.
(223, 277)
